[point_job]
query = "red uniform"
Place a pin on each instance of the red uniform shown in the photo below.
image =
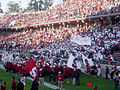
(69, 70)
(13, 87)
(60, 78)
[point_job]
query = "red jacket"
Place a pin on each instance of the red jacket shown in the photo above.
(13, 87)
(60, 78)
(69, 70)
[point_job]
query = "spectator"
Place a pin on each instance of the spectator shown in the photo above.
(66, 74)
(74, 75)
(116, 80)
(20, 85)
(99, 69)
(23, 78)
(0, 56)
(106, 72)
(78, 77)
(13, 86)
(119, 82)
(34, 85)
(95, 88)
(51, 75)
(41, 77)
(60, 80)
(3, 86)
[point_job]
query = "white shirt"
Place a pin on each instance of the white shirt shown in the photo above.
(23, 80)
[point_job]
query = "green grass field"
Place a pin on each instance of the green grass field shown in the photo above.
(100, 82)
(6, 76)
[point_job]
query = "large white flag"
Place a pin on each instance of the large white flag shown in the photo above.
(86, 60)
(78, 65)
(73, 63)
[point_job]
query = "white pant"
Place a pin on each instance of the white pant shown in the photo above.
(41, 81)
(99, 71)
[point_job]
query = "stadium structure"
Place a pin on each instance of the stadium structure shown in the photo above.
(77, 34)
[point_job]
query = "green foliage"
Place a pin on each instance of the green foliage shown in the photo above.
(33, 6)
(64, 0)
(38, 5)
(13, 7)
(47, 4)
(1, 11)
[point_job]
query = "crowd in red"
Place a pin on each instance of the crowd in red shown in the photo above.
(71, 9)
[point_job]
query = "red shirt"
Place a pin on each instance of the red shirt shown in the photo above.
(60, 78)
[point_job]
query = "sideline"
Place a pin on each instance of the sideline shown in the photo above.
(45, 83)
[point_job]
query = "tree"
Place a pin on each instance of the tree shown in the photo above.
(1, 11)
(33, 5)
(38, 5)
(13, 7)
(47, 4)
(64, 0)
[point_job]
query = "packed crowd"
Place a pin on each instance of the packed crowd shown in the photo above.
(71, 9)
(55, 44)
(51, 42)
(51, 47)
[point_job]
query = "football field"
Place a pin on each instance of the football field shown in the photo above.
(100, 82)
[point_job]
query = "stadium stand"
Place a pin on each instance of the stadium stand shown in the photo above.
(51, 45)
(104, 39)
(65, 11)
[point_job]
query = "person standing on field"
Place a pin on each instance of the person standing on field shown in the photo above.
(13, 86)
(60, 80)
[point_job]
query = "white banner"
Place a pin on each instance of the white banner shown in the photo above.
(86, 60)
(80, 40)
(72, 63)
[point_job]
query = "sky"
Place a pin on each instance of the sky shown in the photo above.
(24, 3)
